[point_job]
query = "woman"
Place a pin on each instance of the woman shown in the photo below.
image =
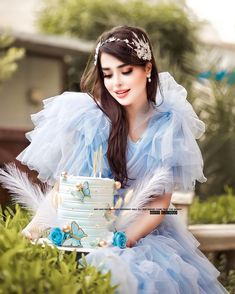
(147, 130)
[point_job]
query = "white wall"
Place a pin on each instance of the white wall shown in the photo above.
(39, 73)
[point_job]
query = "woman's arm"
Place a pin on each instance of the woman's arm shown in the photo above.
(147, 222)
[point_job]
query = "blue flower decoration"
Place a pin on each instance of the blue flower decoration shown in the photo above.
(57, 236)
(220, 75)
(119, 239)
(205, 75)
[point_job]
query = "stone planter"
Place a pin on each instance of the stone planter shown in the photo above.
(216, 238)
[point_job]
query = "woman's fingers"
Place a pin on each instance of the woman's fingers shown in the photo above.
(27, 234)
(31, 232)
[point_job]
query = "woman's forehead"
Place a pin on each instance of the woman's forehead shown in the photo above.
(108, 61)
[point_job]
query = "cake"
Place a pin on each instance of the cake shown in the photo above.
(84, 211)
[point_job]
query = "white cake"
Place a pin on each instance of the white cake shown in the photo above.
(83, 210)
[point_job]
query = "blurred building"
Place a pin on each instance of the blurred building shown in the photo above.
(41, 74)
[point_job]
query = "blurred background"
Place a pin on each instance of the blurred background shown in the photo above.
(45, 45)
(44, 48)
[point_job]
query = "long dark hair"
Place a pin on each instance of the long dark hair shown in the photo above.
(92, 82)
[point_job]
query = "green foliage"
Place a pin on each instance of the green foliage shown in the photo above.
(227, 275)
(216, 105)
(8, 57)
(171, 27)
(27, 268)
(215, 210)
(230, 281)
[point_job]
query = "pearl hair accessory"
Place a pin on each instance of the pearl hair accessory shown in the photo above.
(141, 46)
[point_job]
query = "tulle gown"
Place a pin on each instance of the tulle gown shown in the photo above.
(71, 128)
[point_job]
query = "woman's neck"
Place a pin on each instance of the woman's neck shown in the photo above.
(138, 118)
(138, 113)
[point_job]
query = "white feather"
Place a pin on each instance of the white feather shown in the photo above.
(31, 197)
(46, 215)
(22, 190)
(150, 186)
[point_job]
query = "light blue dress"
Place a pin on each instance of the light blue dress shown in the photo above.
(71, 128)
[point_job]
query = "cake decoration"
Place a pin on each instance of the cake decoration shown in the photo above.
(100, 167)
(119, 239)
(57, 236)
(98, 160)
(81, 191)
(64, 175)
(56, 199)
(117, 185)
(69, 236)
(103, 243)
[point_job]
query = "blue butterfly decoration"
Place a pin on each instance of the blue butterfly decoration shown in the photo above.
(75, 236)
(82, 191)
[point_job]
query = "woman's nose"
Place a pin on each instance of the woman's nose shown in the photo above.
(117, 80)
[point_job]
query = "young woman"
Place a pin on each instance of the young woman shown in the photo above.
(147, 130)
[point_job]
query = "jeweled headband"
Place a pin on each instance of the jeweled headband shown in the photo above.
(141, 46)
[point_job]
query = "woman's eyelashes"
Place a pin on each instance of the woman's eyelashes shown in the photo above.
(124, 73)
(127, 72)
(107, 76)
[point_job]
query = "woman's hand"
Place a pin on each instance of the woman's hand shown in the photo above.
(31, 232)
(27, 234)
(147, 222)
(131, 241)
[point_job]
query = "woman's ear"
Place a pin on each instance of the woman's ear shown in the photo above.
(148, 67)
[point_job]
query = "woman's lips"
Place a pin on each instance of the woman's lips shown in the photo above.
(122, 93)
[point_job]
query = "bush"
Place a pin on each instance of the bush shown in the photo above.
(215, 210)
(27, 268)
(227, 276)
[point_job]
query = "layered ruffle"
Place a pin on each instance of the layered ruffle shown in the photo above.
(67, 132)
(169, 141)
(71, 127)
(179, 148)
(165, 261)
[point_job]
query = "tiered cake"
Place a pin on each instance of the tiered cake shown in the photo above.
(83, 210)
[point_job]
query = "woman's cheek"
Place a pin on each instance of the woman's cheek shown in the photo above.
(107, 85)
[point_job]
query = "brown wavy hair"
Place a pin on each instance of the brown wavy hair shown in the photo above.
(92, 82)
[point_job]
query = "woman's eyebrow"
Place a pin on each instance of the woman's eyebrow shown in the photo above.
(120, 66)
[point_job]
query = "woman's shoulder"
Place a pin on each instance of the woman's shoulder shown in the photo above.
(71, 101)
(174, 131)
(172, 98)
(76, 110)
(66, 130)
(169, 93)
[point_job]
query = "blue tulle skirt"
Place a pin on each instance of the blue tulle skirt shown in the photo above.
(166, 261)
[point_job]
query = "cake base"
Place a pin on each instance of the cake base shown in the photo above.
(46, 241)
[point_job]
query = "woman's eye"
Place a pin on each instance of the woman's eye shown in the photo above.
(107, 76)
(127, 72)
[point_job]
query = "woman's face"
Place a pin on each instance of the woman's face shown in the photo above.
(126, 83)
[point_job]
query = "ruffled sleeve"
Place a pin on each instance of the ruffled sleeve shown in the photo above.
(174, 144)
(67, 132)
